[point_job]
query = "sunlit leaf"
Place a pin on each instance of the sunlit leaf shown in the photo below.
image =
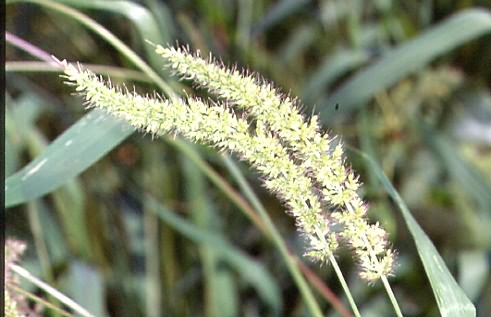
(71, 153)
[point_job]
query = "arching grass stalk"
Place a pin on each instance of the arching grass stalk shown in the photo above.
(215, 125)
(298, 163)
(345, 286)
(319, 158)
(277, 238)
(106, 35)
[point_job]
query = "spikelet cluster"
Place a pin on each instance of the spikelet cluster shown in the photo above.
(322, 161)
(217, 125)
(300, 164)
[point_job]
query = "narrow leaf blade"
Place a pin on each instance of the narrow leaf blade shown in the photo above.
(410, 57)
(80, 146)
(451, 300)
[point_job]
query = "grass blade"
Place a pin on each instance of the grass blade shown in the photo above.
(409, 57)
(106, 35)
(451, 300)
(50, 290)
(332, 68)
(71, 153)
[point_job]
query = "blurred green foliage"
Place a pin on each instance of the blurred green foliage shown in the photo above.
(143, 232)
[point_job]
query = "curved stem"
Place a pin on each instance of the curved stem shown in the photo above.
(106, 35)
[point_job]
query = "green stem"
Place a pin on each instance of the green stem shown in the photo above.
(392, 297)
(43, 67)
(346, 289)
(277, 240)
(37, 299)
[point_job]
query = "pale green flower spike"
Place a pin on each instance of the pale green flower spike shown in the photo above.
(217, 125)
(312, 150)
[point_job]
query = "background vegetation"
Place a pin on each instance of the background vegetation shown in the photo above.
(165, 228)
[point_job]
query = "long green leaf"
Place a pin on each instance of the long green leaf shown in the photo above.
(71, 153)
(450, 298)
(408, 58)
(332, 68)
(42, 176)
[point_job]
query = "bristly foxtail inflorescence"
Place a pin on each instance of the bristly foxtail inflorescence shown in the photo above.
(299, 163)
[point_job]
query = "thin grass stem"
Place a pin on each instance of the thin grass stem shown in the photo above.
(277, 240)
(392, 297)
(106, 35)
(43, 67)
(19, 270)
(346, 289)
(38, 299)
